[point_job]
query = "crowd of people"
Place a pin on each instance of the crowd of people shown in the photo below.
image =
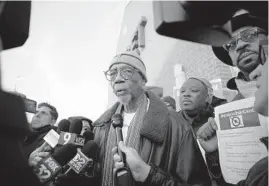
(163, 146)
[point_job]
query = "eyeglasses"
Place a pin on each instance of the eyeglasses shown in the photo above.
(125, 73)
(248, 35)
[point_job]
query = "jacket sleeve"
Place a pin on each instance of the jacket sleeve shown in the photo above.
(213, 164)
(190, 167)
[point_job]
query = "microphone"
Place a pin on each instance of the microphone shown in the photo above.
(82, 168)
(73, 136)
(64, 125)
(122, 177)
(49, 167)
(88, 135)
(84, 161)
(76, 126)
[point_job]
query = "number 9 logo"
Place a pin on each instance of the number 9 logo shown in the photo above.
(67, 137)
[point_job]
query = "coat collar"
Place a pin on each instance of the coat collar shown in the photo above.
(200, 119)
(156, 120)
(155, 124)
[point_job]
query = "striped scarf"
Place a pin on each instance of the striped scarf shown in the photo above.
(132, 140)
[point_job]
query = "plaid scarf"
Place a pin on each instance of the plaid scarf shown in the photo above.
(132, 140)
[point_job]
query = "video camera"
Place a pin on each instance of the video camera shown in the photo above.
(205, 22)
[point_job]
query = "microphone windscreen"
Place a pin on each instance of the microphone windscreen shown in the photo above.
(75, 126)
(90, 149)
(64, 125)
(88, 135)
(65, 154)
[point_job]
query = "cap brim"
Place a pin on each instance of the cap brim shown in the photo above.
(249, 20)
(222, 55)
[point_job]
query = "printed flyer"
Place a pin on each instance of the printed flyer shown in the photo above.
(239, 132)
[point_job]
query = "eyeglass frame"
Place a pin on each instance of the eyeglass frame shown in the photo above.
(239, 36)
(120, 71)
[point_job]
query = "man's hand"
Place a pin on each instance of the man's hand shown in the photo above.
(40, 153)
(138, 167)
(207, 136)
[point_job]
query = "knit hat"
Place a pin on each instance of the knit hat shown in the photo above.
(170, 100)
(130, 58)
(208, 86)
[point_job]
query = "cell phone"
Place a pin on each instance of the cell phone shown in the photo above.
(263, 51)
(30, 105)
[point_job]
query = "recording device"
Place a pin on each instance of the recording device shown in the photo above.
(14, 23)
(123, 176)
(73, 136)
(67, 137)
(205, 22)
(50, 166)
(30, 105)
(84, 161)
(263, 51)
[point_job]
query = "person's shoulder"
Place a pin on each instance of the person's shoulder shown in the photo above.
(105, 118)
(178, 121)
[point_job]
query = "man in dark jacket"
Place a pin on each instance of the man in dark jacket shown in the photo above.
(159, 149)
(42, 122)
(196, 96)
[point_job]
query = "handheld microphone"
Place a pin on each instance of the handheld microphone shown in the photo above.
(76, 126)
(123, 176)
(49, 167)
(84, 161)
(88, 135)
(73, 136)
(64, 125)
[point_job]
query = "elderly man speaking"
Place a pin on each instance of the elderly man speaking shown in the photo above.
(159, 149)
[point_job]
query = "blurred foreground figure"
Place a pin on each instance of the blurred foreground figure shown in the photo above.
(15, 171)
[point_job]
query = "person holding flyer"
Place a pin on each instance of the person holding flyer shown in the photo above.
(256, 70)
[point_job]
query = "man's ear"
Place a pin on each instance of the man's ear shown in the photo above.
(143, 82)
(207, 99)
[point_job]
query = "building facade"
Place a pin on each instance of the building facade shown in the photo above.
(169, 61)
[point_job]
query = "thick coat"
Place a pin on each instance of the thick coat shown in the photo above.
(35, 139)
(166, 144)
